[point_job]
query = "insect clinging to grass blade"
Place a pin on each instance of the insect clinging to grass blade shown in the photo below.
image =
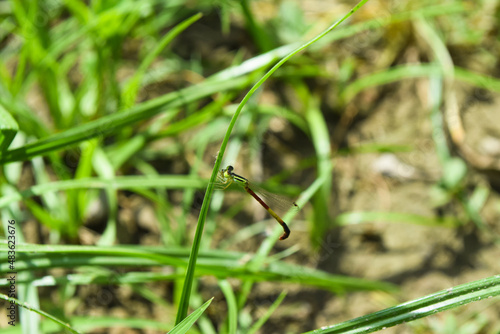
(226, 177)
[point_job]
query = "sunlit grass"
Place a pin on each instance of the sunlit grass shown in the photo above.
(102, 100)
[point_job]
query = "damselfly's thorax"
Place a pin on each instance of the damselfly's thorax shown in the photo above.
(226, 177)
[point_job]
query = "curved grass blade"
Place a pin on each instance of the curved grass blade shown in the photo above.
(419, 308)
(40, 312)
(113, 122)
(188, 282)
(186, 324)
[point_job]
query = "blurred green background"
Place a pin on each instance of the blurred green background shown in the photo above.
(386, 132)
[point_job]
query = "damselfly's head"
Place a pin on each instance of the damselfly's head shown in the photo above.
(228, 171)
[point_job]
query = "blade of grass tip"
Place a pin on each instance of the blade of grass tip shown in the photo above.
(188, 282)
(442, 56)
(204, 324)
(477, 79)
(418, 308)
(26, 306)
(186, 324)
(261, 321)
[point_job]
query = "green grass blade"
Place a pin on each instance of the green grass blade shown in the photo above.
(188, 282)
(381, 21)
(105, 170)
(45, 217)
(14, 301)
(321, 141)
(417, 71)
(262, 320)
(419, 308)
(223, 264)
(113, 122)
(260, 35)
(120, 182)
(232, 307)
(255, 63)
(99, 322)
(186, 324)
(438, 133)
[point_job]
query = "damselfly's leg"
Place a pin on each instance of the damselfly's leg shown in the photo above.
(223, 182)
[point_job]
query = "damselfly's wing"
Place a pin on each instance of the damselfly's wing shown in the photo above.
(274, 201)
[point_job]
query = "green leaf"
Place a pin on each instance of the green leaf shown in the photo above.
(111, 123)
(419, 308)
(183, 326)
(232, 313)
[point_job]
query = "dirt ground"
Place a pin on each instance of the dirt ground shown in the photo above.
(419, 259)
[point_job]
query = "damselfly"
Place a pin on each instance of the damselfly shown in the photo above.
(226, 177)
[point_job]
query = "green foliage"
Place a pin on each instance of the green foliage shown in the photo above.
(104, 99)
(186, 324)
(422, 307)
